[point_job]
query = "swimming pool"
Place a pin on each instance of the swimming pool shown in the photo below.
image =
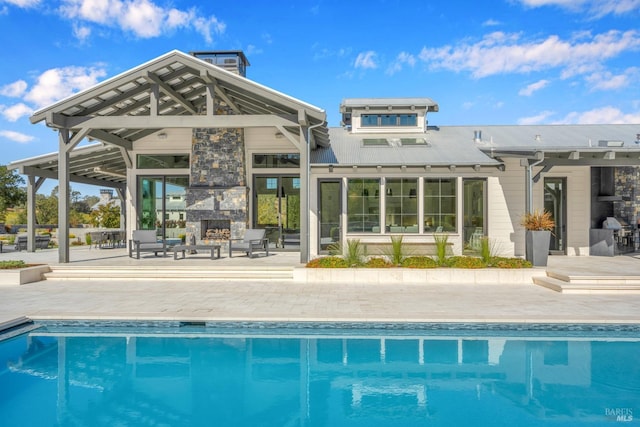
(193, 374)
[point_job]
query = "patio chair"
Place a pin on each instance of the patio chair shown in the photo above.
(253, 240)
(146, 241)
(21, 243)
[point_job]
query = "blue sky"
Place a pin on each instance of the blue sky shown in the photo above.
(489, 62)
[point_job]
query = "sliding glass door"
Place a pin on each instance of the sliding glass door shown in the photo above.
(162, 204)
(277, 206)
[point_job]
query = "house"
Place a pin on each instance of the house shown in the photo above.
(240, 155)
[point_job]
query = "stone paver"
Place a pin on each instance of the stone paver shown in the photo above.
(289, 301)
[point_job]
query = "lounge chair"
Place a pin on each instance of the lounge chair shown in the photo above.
(146, 241)
(253, 240)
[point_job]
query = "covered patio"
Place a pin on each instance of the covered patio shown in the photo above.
(174, 91)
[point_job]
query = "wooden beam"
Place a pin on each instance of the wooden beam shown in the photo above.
(110, 138)
(161, 122)
(126, 157)
(294, 139)
(154, 99)
(171, 92)
(303, 120)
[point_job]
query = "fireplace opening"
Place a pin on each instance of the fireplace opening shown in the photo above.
(215, 229)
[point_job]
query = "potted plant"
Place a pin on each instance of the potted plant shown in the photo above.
(538, 226)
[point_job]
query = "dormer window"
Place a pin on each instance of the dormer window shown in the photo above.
(388, 120)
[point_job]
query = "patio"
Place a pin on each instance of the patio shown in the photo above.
(286, 300)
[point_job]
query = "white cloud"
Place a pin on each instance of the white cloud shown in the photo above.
(604, 115)
(491, 23)
(58, 83)
(15, 89)
(537, 119)
(501, 53)
(402, 59)
(366, 60)
(205, 26)
(595, 8)
(16, 112)
(143, 18)
(321, 53)
(605, 80)
(16, 136)
(25, 4)
(533, 87)
(253, 50)
(81, 32)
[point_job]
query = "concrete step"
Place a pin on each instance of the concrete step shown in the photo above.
(570, 287)
(61, 272)
(594, 279)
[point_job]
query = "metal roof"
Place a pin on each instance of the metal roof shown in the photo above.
(602, 144)
(441, 149)
(183, 83)
(459, 145)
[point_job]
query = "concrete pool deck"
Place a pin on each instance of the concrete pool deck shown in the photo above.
(273, 300)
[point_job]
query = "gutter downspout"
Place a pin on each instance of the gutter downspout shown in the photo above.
(528, 174)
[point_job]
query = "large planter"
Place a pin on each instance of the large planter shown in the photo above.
(537, 247)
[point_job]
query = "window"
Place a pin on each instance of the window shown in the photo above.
(388, 120)
(375, 142)
(163, 161)
(413, 142)
(369, 120)
(440, 205)
(270, 161)
(363, 205)
(401, 205)
(407, 120)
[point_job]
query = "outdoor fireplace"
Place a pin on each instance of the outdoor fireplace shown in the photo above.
(215, 229)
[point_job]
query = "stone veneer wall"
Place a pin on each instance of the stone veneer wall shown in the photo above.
(627, 180)
(217, 188)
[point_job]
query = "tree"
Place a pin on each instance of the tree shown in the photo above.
(107, 215)
(11, 194)
(46, 209)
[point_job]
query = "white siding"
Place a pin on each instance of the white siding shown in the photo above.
(506, 206)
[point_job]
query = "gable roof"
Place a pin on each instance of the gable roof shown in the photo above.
(183, 81)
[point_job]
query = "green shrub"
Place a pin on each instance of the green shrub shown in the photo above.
(419, 262)
(396, 253)
(6, 265)
(465, 262)
(72, 236)
(501, 262)
(354, 256)
(378, 263)
(441, 248)
(87, 239)
(328, 262)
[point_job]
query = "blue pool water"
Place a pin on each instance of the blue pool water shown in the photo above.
(319, 375)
